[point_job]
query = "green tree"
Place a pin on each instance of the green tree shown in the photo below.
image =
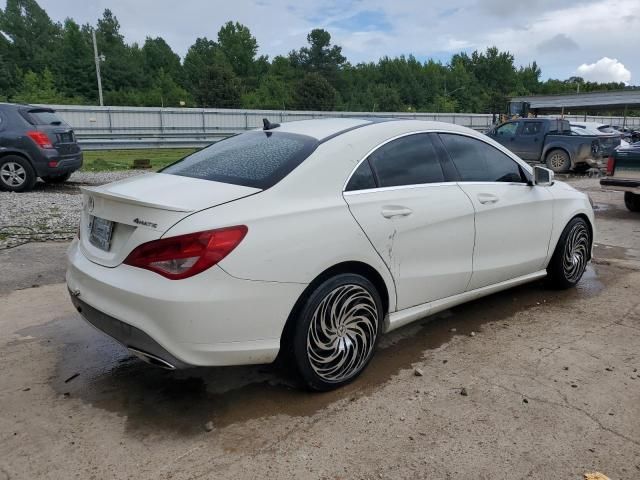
(40, 88)
(123, 64)
(240, 48)
(272, 94)
(497, 76)
(157, 55)
(75, 75)
(209, 76)
(314, 92)
(320, 56)
(33, 36)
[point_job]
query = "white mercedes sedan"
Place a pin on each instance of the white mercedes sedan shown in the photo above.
(311, 239)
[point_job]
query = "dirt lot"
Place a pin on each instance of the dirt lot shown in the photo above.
(552, 382)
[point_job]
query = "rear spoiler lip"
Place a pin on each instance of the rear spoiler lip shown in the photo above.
(96, 191)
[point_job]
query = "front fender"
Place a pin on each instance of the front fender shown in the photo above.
(567, 204)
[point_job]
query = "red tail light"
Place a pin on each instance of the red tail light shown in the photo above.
(41, 138)
(186, 255)
(611, 165)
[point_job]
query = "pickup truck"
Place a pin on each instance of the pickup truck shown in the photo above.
(623, 174)
(549, 141)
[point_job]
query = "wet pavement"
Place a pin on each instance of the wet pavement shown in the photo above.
(534, 362)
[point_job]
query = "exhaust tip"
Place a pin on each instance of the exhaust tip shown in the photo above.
(151, 359)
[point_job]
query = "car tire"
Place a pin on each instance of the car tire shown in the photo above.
(632, 201)
(558, 161)
(16, 174)
(57, 178)
(571, 255)
(329, 347)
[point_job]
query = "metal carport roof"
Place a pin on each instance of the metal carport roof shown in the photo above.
(613, 100)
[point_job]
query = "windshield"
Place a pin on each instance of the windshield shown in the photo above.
(252, 159)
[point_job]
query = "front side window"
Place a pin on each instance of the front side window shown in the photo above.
(409, 160)
(252, 159)
(477, 161)
(507, 130)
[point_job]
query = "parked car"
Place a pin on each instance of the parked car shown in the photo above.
(313, 238)
(608, 138)
(549, 141)
(630, 134)
(623, 170)
(35, 142)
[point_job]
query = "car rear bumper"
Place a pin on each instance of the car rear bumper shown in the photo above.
(63, 163)
(210, 319)
(621, 184)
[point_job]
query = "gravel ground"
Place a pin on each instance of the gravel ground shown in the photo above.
(49, 212)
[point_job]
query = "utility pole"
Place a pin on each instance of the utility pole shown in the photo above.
(97, 59)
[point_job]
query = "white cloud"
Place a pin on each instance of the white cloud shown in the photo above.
(605, 70)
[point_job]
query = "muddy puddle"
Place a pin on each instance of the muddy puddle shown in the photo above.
(93, 368)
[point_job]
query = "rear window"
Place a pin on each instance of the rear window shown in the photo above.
(252, 159)
(44, 117)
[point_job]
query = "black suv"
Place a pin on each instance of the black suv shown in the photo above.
(34, 143)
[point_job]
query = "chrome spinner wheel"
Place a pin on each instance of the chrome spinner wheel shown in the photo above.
(342, 333)
(576, 252)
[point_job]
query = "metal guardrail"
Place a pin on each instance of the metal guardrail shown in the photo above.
(99, 128)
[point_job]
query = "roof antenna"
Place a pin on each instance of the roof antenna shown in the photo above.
(268, 125)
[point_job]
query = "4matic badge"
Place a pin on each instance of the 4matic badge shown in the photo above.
(145, 223)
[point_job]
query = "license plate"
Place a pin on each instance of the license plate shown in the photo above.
(100, 233)
(66, 137)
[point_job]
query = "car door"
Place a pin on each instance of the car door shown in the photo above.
(513, 218)
(505, 134)
(420, 225)
(529, 140)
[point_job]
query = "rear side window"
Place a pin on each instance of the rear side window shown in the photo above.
(362, 178)
(252, 159)
(477, 161)
(409, 160)
(531, 128)
(44, 117)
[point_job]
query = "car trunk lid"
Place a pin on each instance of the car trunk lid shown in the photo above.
(141, 209)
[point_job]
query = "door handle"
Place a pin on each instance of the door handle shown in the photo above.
(395, 211)
(485, 198)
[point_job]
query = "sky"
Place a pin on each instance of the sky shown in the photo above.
(595, 39)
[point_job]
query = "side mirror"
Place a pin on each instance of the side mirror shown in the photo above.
(542, 176)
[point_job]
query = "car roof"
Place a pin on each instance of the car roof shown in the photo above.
(327, 128)
(19, 106)
(324, 128)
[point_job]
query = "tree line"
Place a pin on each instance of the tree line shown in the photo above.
(42, 61)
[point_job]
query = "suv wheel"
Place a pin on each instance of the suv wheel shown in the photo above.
(58, 178)
(558, 161)
(569, 260)
(632, 201)
(337, 331)
(16, 174)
